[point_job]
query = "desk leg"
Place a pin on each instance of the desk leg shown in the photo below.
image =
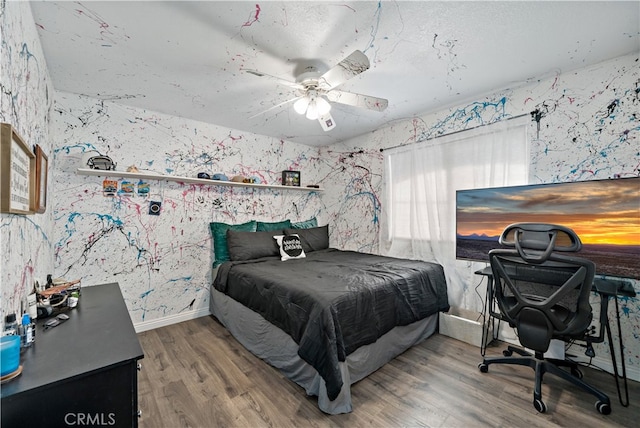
(488, 325)
(613, 358)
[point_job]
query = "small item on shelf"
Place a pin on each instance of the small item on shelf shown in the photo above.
(238, 179)
(204, 175)
(133, 168)
(220, 177)
(100, 162)
(291, 178)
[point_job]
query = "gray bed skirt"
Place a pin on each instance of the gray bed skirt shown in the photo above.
(278, 349)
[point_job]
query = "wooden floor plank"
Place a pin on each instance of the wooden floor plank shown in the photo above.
(195, 374)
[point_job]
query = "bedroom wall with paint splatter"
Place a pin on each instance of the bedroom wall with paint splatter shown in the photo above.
(589, 130)
(25, 102)
(105, 231)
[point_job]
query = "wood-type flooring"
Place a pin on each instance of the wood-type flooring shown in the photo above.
(195, 374)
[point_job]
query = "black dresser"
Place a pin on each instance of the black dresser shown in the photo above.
(84, 372)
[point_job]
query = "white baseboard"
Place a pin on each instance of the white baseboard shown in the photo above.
(171, 319)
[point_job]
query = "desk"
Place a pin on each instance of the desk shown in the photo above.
(82, 372)
(607, 289)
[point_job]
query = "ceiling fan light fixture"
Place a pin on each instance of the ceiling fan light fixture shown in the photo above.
(323, 106)
(301, 105)
(312, 111)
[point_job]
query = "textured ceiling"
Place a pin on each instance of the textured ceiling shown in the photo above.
(189, 59)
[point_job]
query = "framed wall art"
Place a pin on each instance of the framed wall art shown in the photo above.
(291, 178)
(17, 173)
(42, 169)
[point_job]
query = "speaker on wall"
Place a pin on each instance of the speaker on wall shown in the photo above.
(154, 207)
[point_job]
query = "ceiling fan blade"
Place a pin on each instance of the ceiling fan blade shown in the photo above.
(276, 79)
(276, 106)
(327, 122)
(357, 100)
(349, 67)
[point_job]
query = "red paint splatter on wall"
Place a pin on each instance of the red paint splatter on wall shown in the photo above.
(253, 17)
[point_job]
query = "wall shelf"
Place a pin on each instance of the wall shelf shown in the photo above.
(191, 180)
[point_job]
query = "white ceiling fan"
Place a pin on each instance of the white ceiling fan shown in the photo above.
(316, 90)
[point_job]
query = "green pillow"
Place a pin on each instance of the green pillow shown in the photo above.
(219, 232)
(312, 222)
(278, 225)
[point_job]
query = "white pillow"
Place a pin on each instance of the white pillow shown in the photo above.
(290, 247)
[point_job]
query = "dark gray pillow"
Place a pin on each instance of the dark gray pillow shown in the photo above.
(251, 245)
(219, 232)
(313, 239)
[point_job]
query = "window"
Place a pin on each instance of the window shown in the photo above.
(418, 212)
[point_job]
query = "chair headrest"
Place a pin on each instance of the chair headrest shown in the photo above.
(539, 236)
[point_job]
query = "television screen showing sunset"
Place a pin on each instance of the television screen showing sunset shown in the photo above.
(604, 213)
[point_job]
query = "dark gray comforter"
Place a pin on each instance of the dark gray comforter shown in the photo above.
(332, 302)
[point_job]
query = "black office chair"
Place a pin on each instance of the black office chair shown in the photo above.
(544, 295)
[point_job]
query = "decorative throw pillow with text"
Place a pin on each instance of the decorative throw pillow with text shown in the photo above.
(290, 247)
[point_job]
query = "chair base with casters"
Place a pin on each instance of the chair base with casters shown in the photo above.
(543, 365)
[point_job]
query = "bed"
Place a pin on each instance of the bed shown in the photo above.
(325, 318)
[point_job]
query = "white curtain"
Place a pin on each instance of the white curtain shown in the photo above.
(418, 218)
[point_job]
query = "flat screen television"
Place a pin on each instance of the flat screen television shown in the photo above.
(604, 213)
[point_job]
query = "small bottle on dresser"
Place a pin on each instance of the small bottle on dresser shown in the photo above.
(27, 331)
